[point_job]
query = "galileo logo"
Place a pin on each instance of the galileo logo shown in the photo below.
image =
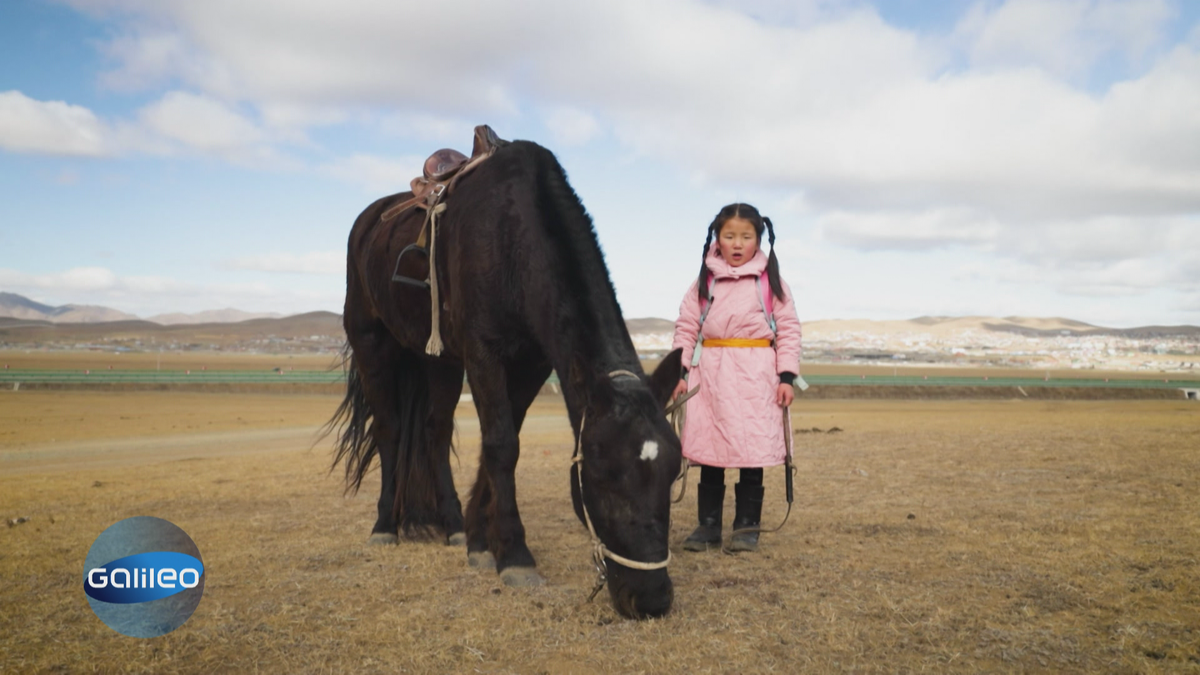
(143, 577)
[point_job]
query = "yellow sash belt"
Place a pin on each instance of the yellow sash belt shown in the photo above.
(736, 342)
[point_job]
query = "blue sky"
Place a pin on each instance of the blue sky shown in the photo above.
(1019, 158)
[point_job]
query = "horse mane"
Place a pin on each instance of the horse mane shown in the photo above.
(581, 265)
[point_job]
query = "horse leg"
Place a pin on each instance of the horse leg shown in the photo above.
(523, 388)
(480, 502)
(498, 458)
(375, 356)
(445, 388)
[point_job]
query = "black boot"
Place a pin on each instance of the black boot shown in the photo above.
(709, 501)
(748, 515)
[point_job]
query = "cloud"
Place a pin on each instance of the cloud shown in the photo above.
(148, 295)
(376, 175)
(207, 126)
(1053, 134)
(1101, 240)
(78, 279)
(830, 101)
(424, 127)
(320, 262)
(50, 127)
(148, 59)
(934, 228)
(571, 127)
(178, 122)
(1063, 37)
(199, 122)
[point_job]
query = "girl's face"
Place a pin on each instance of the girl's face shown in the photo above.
(737, 241)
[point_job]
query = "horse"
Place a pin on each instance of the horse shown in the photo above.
(523, 290)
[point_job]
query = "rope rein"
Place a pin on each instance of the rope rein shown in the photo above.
(677, 412)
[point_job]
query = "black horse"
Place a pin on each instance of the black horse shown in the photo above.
(524, 290)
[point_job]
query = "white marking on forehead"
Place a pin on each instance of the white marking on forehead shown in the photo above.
(649, 450)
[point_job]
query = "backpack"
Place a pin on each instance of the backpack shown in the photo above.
(765, 300)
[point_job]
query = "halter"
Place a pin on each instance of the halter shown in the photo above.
(599, 550)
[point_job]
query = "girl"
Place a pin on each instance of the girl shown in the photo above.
(745, 371)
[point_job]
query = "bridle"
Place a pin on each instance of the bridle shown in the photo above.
(600, 552)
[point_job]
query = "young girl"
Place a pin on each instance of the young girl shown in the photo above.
(745, 371)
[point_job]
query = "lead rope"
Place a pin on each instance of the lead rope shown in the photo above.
(677, 412)
(789, 474)
(599, 550)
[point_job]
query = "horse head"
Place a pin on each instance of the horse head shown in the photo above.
(628, 460)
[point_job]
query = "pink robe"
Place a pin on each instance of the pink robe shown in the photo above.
(734, 421)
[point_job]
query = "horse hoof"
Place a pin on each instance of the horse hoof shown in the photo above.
(457, 539)
(521, 577)
(383, 539)
(481, 560)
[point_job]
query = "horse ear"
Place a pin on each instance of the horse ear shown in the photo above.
(600, 395)
(666, 376)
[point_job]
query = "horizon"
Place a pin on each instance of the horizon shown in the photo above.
(998, 158)
(916, 319)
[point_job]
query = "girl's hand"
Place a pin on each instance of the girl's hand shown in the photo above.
(784, 395)
(680, 390)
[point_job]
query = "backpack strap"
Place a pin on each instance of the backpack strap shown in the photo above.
(705, 305)
(765, 300)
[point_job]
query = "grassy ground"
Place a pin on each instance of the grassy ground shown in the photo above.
(20, 359)
(928, 536)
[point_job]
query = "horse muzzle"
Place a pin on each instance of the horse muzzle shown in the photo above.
(640, 594)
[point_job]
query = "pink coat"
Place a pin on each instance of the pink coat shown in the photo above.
(734, 421)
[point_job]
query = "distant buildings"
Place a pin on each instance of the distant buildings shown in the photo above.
(1060, 350)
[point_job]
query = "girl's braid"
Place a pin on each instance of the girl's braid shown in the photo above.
(773, 262)
(702, 284)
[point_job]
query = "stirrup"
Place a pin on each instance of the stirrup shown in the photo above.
(396, 276)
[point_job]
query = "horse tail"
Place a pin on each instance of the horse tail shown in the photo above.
(355, 445)
(415, 508)
(415, 477)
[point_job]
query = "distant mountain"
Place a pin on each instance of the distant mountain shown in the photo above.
(21, 307)
(300, 326)
(228, 315)
(86, 320)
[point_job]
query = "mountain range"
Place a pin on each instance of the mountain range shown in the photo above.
(21, 307)
(93, 320)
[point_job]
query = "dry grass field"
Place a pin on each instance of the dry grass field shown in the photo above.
(176, 361)
(927, 536)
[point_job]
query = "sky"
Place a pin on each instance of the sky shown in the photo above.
(1036, 158)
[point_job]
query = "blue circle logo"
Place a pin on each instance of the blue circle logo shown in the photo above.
(143, 577)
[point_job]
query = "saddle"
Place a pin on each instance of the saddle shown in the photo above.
(441, 171)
